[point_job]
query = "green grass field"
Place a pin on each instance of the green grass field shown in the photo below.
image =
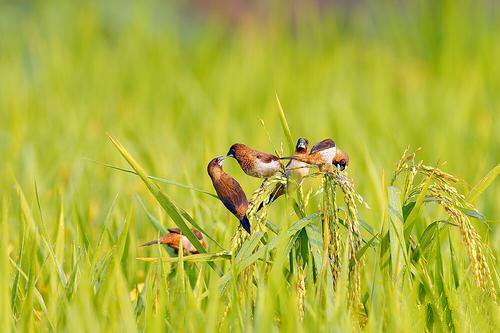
(178, 88)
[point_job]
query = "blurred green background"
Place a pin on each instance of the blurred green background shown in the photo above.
(179, 82)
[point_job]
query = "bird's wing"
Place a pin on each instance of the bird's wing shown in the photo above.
(267, 158)
(325, 144)
(175, 230)
(232, 195)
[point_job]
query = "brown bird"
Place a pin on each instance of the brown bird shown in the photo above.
(322, 154)
(175, 237)
(229, 191)
(296, 167)
(254, 163)
(295, 170)
(341, 159)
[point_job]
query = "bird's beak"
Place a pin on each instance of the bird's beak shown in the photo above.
(301, 145)
(221, 160)
(229, 155)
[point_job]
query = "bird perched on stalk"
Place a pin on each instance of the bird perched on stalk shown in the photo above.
(322, 154)
(295, 171)
(341, 159)
(229, 191)
(175, 238)
(253, 162)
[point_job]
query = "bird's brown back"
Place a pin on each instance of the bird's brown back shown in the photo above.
(196, 232)
(245, 154)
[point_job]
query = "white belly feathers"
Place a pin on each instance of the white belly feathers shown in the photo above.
(328, 154)
(266, 169)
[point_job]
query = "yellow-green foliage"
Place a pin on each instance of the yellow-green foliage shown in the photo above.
(176, 88)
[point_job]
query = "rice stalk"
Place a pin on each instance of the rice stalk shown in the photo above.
(472, 241)
(331, 214)
(333, 179)
(443, 191)
(260, 196)
(257, 217)
(301, 290)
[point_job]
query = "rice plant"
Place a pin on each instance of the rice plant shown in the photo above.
(402, 240)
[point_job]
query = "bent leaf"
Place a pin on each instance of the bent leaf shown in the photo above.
(162, 199)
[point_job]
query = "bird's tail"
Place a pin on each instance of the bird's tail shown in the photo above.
(245, 223)
(153, 242)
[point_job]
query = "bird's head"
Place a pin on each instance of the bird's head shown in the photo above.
(234, 149)
(302, 145)
(341, 159)
(215, 163)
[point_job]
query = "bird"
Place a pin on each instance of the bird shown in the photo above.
(295, 170)
(175, 237)
(296, 167)
(253, 162)
(229, 191)
(341, 159)
(321, 154)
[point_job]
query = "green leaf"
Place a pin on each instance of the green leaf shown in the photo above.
(396, 235)
(197, 226)
(473, 213)
(315, 239)
(407, 209)
(120, 246)
(158, 179)
(248, 247)
(367, 227)
(156, 224)
(273, 227)
(426, 239)
(483, 184)
(410, 220)
(365, 247)
(162, 199)
(247, 261)
(5, 280)
(204, 257)
(72, 280)
(284, 126)
(454, 265)
(441, 288)
(40, 234)
(185, 214)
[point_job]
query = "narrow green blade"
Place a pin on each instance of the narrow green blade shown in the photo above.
(162, 199)
(284, 126)
(396, 232)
